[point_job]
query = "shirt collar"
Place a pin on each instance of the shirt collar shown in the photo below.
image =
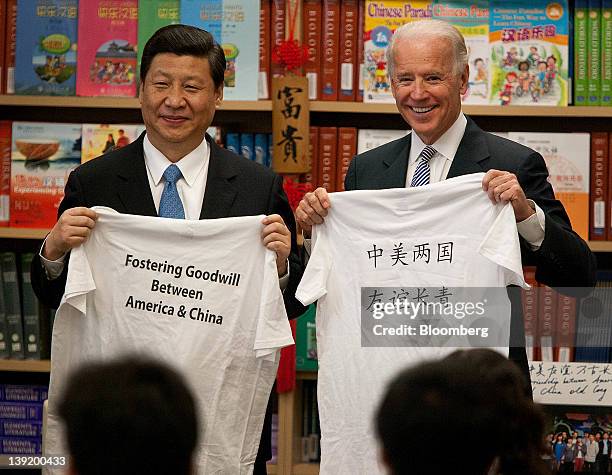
(191, 165)
(447, 145)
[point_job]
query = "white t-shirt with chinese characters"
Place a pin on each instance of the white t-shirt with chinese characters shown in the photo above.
(444, 234)
(202, 296)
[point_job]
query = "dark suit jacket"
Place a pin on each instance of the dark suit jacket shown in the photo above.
(234, 187)
(564, 260)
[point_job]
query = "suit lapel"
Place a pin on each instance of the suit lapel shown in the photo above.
(472, 150)
(396, 163)
(132, 184)
(220, 191)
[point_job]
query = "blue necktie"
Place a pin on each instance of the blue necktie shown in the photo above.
(170, 205)
(423, 172)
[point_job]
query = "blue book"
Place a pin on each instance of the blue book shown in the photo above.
(20, 445)
(23, 393)
(232, 142)
(261, 148)
(20, 429)
(23, 411)
(247, 146)
(270, 148)
(45, 62)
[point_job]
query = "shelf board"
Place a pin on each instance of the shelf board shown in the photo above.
(305, 469)
(23, 233)
(306, 375)
(26, 366)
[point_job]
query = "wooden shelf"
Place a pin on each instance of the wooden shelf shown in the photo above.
(271, 469)
(306, 469)
(26, 366)
(23, 233)
(306, 375)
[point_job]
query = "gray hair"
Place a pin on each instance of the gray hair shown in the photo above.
(420, 30)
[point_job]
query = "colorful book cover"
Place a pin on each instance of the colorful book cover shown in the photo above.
(606, 52)
(108, 32)
(529, 52)
(10, 46)
(367, 139)
(472, 20)
(42, 156)
(580, 53)
(46, 47)
(381, 20)
(235, 26)
(568, 159)
(6, 127)
(594, 52)
(99, 139)
(306, 341)
(152, 15)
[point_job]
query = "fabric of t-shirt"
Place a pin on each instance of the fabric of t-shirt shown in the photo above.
(352, 378)
(202, 296)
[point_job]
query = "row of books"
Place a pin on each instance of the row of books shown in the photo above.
(310, 449)
(25, 324)
(21, 418)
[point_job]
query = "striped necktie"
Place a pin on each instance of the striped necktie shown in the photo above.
(423, 172)
(170, 205)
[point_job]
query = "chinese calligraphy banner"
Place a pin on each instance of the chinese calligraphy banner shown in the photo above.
(290, 124)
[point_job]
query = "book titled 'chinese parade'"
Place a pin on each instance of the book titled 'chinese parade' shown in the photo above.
(42, 157)
(529, 52)
(108, 31)
(45, 62)
(381, 21)
(235, 26)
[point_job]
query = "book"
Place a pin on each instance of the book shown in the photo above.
(23, 393)
(45, 62)
(566, 329)
(232, 142)
(23, 411)
(313, 157)
(347, 149)
(599, 219)
(261, 149)
(328, 140)
(306, 341)
(12, 303)
(594, 52)
(529, 60)
(329, 56)
(10, 46)
(311, 38)
(547, 322)
(5, 170)
(348, 50)
(108, 34)
(20, 428)
(153, 15)
(472, 20)
(278, 21)
(42, 156)
(36, 331)
(99, 139)
(367, 139)
(247, 146)
(381, 20)
(235, 26)
(265, 50)
(529, 299)
(580, 78)
(20, 446)
(360, 70)
(3, 7)
(606, 53)
(567, 158)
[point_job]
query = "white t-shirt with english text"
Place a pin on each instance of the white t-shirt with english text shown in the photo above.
(444, 235)
(201, 296)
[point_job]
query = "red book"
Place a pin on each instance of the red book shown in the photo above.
(348, 50)
(566, 329)
(5, 170)
(278, 20)
(328, 139)
(347, 149)
(8, 79)
(529, 299)
(3, 37)
(360, 54)
(313, 156)
(547, 310)
(329, 61)
(265, 50)
(598, 217)
(311, 33)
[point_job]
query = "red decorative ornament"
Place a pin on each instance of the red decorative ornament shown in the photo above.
(295, 191)
(290, 54)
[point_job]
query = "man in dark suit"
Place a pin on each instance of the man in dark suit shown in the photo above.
(181, 75)
(428, 66)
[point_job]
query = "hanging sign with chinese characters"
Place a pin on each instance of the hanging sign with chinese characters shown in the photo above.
(290, 124)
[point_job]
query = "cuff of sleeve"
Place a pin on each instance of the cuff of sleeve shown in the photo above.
(532, 229)
(283, 280)
(53, 269)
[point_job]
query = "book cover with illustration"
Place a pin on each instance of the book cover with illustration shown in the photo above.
(152, 15)
(472, 20)
(529, 52)
(45, 62)
(99, 139)
(108, 32)
(382, 18)
(568, 159)
(235, 26)
(42, 157)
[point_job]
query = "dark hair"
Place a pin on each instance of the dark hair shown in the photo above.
(129, 416)
(184, 40)
(467, 393)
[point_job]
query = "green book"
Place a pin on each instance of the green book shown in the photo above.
(606, 53)
(152, 15)
(35, 317)
(12, 301)
(306, 341)
(580, 53)
(594, 52)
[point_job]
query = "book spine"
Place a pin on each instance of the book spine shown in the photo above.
(328, 138)
(265, 50)
(606, 53)
(13, 304)
(347, 149)
(5, 170)
(313, 157)
(608, 194)
(232, 142)
(20, 429)
(311, 32)
(566, 329)
(247, 146)
(599, 186)
(22, 411)
(547, 306)
(32, 317)
(8, 85)
(360, 69)
(529, 298)
(594, 52)
(348, 49)
(580, 53)
(261, 148)
(3, 7)
(278, 20)
(23, 393)
(331, 38)
(20, 446)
